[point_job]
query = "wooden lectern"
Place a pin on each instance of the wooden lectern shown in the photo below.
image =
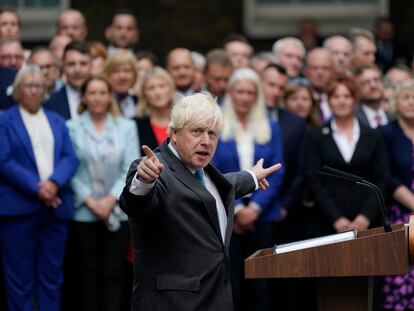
(344, 270)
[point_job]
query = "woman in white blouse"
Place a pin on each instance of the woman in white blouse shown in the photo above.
(105, 143)
(347, 145)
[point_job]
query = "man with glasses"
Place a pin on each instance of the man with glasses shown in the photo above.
(48, 64)
(370, 112)
(11, 53)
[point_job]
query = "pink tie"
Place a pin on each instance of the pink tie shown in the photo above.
(378, 119)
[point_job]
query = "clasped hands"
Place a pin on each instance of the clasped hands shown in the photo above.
(101, 207)
(47, 192)
(360, 222)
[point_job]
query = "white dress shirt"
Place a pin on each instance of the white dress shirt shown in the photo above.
(245, 149)
(372, 114)
(128, 106)
(345, 147)
(41, 137)
(74, 99)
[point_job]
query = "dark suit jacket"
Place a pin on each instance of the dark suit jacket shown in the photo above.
(145, 132)
(59, 102)
(6, 79)
(18, 171)
(294, 132)
(183, 263)
(362, 118)
(400, 154)
(336, 198)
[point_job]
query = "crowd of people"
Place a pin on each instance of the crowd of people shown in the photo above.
(76, 113)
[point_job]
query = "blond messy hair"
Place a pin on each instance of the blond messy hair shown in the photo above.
(200, 108)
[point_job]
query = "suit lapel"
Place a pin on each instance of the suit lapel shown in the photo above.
(363, 145)
(183, 174)
(65, 103)
(362, 116)
(22, 133)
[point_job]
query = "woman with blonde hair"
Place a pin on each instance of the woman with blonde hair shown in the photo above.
(105, 143)
(399, 141)
(120, 70)
(155, 103)
(248, 135)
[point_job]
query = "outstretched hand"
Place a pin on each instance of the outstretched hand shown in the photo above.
(261, 173)
(150, 168)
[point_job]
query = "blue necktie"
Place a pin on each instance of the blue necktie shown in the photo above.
(200, 176)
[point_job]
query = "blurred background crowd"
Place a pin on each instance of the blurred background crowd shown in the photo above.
(75, 113)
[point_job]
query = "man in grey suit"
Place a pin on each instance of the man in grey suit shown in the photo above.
(181, 213)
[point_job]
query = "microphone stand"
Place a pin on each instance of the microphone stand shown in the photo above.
(335, 173)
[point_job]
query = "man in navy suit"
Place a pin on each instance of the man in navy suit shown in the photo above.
(293, 132)
(77, 69)
(6, 80)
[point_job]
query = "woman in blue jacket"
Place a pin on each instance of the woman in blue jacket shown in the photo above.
(248, 136)
(37, 162)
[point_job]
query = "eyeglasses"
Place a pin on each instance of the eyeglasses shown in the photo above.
(370, 81)
(9, 57)
(36, 87)
(47, 66)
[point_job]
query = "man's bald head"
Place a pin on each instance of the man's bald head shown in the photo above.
(72, 23)
(181, 67)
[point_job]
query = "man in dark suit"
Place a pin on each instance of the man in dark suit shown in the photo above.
(293, 130)
(77, 69)
(6, 81)
(370, 112)
(182, 210)
(319, 70)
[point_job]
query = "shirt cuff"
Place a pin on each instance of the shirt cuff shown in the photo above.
(255, 180)
(255, 206)
(238, 208)
(137, 187)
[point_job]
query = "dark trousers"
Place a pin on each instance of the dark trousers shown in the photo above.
(249, 294)
(99, 257)
(33, 249)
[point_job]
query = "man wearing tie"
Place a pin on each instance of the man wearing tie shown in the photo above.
(181, 211)
(370, 112)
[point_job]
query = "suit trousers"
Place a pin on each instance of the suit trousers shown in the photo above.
(99, 257)
(33, 249)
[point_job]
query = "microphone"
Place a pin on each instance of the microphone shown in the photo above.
(335, 173)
